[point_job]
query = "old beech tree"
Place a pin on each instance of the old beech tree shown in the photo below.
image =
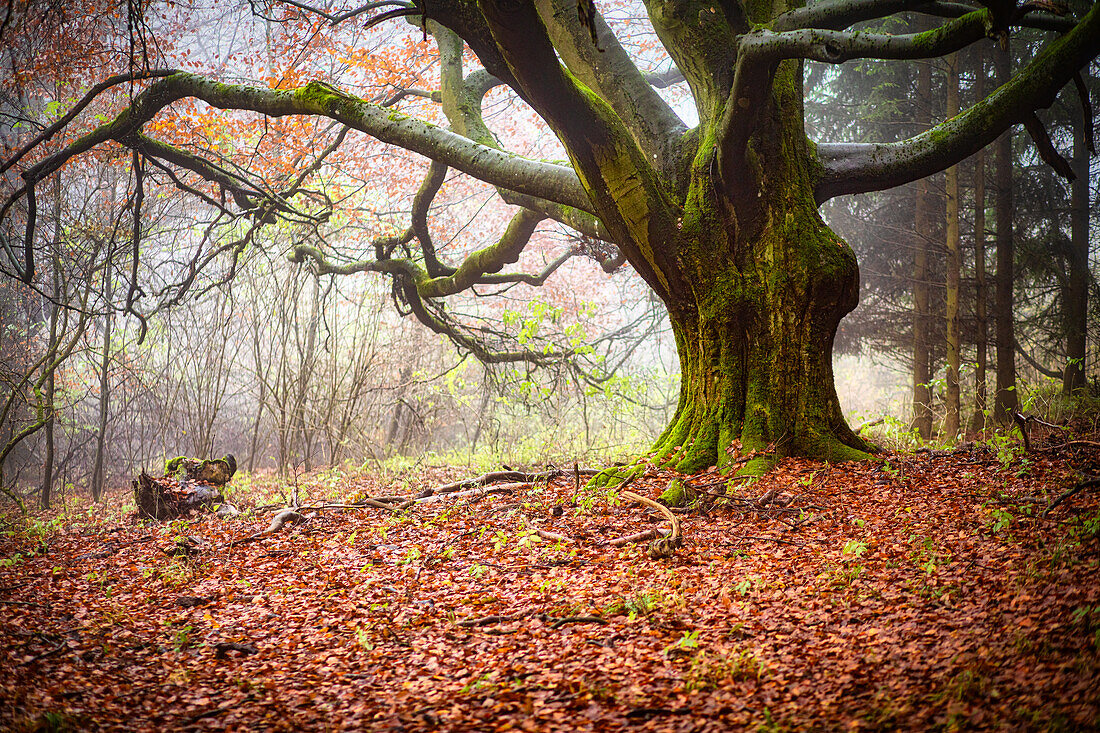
(720, 219)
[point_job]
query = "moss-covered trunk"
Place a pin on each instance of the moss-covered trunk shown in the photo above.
(768, 284)
(755, 352)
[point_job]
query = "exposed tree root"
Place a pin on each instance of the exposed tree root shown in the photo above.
(646, 536)
(665, 546)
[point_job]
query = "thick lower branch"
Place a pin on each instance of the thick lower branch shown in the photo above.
(545, 180)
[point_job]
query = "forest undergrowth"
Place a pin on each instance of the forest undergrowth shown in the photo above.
(929, 590)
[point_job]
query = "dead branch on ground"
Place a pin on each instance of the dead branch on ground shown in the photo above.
(515, 476)
(478, 492)
(1081, 486)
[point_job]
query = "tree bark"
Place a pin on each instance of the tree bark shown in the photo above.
(46, 495)
(98, 472)
(981, 287)
(922, 315)
(1076, 298)
(755, 330)
(1006, 401)
(951, 421)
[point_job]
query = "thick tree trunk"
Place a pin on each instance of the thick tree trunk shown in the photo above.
(756, 375)
(767, 286)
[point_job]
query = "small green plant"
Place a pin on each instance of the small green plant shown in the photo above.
(474, 685)
(1089, 528)
(528, 538)
(1008, 449)
(1000, 519)
(182, 638)
(177, 575)
(747, 585)
(363, 638)
(854, 548)
(711, 671)
(846, 574)
(55, 722)
(966, 684)
(642, 604)
(1089, 617)
(685, 644)
(477, 570)
(769, 723)
(927, 555)
(12, 560)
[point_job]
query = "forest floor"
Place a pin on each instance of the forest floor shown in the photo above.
(928, 590)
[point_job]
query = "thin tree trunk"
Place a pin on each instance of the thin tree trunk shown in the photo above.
(954, 265)
(396, 417)
(256, 429)
(305, 375)
(1006, 401)
(981, 294)
(47, 464)
(481, 414)
(1077, 295)
(922, 223)
(46, 495)
(98, 477)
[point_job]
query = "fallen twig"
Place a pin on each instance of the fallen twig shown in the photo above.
(519, 476)
(478, 492)
(289, 515)
(552, 536)
(1081, 486)
(222, 649)
(768, 497)
(212, 712)
(487, 621)
(363, 504)
(578, 620)
(1072, 444)
(60, 647)
(769, 539)
(650, 534)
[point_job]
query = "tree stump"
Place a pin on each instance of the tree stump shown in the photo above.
(187, 484)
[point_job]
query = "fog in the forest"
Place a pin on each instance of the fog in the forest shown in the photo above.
(213, 341)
